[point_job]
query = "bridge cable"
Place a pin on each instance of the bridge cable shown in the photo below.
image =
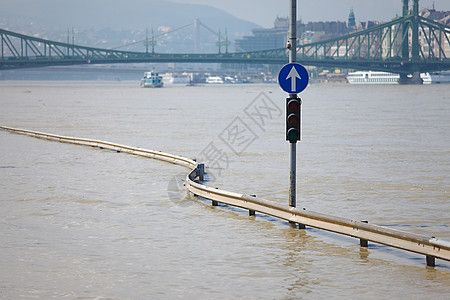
(159, 35)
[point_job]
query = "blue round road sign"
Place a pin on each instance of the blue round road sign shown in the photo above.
(293, 78)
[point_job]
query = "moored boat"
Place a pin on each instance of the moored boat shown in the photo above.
(436, 77)
(214, 79)
(372, 77)
(151, 80)
(375, 77)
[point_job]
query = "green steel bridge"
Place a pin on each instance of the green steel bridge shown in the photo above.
(407, 45)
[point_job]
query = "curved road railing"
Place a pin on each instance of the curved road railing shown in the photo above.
(431, 247)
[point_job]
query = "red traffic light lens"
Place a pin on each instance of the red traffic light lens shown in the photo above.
(293, 105)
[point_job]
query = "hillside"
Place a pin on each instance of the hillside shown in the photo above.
(112, 23)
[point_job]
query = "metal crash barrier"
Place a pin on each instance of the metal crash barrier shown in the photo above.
(431, 247)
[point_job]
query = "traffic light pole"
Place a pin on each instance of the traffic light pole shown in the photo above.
(293, 163)
(292, 46)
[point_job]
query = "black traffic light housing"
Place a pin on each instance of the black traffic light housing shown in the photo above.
(293, 119)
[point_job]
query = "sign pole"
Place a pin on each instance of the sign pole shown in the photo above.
(293, 78)
(293, 31)
(292, 46)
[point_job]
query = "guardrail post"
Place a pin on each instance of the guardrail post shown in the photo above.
(201, 171)
(215, 203)
(251, 212)
(363, 242)
(431, 261)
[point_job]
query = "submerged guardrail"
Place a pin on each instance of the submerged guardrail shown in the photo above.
(431, 247)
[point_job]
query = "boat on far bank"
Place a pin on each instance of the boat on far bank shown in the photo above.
(375, 77)
(214, 80)
(372, 77)
(151, 80)
(436, 77)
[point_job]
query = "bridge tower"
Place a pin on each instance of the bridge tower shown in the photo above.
(415, 32)
(405, 47)
(196, 36)
(414, 24)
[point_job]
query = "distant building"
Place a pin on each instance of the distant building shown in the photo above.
(265, 38)
(324, 30)
(276, 37)
(354, 26)
(351, 20)
(430, 43)
(367, 25)
(438, 16)
(330, 28)
(281, 23)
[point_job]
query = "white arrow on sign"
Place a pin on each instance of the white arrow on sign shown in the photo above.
(293, 74)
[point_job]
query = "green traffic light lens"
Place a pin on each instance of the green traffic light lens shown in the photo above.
(293, 134)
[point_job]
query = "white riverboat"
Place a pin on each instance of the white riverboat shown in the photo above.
(214, 80)
(151, 80)
(375, 77)
(372, 77)
(177, 78)
(436, 77)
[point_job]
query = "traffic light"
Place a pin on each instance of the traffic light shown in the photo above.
(293, 119)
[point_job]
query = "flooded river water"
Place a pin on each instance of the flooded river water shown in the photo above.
(78, 222)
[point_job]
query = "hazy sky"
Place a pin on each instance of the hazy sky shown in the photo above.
(264, 12)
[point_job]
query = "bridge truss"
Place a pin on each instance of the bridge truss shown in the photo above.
(23, 51)
(405, 45)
